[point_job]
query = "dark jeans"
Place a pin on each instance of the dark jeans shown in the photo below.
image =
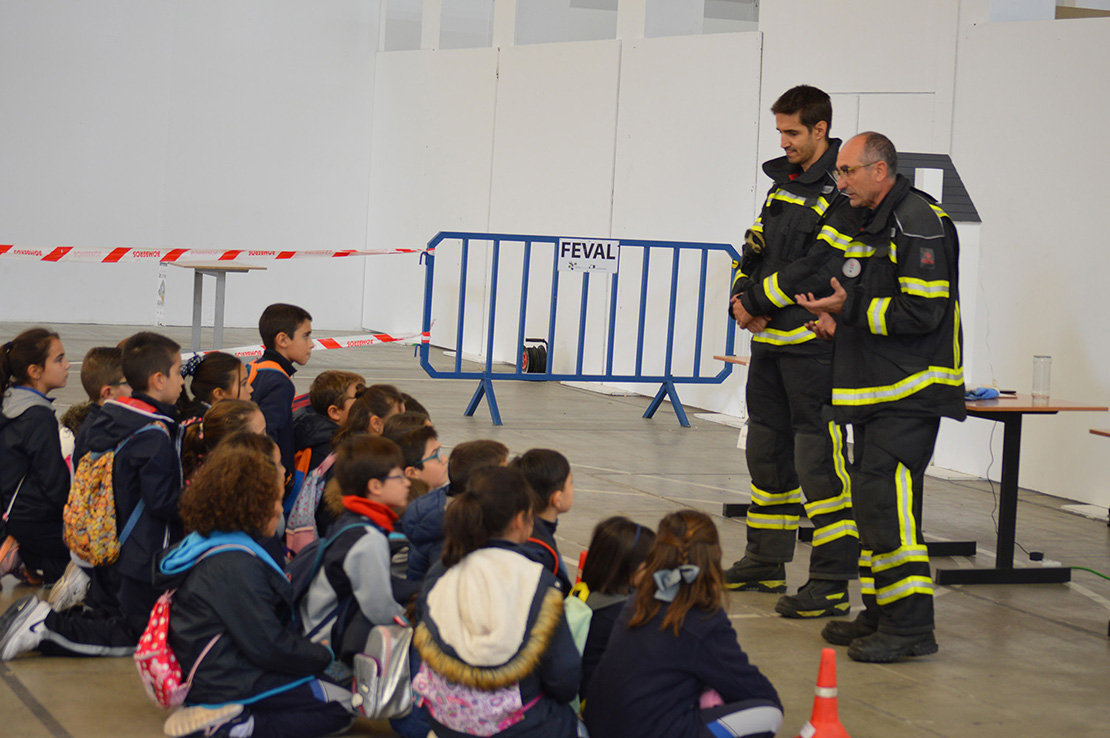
(41, 547)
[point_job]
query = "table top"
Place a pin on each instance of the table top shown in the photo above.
(733, 359)
(1026, 404)
(216, 266)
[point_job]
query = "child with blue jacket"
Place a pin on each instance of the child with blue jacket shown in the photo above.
(674, 649)
(34, 478)
(254, 676)
(146, 479)
(548, 473)
(286, 332)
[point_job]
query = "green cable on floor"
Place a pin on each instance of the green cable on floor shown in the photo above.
(1096, 573)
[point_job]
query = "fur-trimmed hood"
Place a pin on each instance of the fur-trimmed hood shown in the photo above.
(490, 619)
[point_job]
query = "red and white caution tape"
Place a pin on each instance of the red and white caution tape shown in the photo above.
(338, 342)
(124, 255)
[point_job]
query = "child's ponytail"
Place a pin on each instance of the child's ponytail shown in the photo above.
(494, 496)
(29, 348)
(682, 568)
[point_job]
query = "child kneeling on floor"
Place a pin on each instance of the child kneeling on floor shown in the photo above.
(498, 657)
(673, 667)
(258, 678)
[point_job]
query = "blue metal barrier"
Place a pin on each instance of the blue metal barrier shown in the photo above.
(486, 375)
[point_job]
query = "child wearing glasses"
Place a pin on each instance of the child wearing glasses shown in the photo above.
(367, 484)
(423, 520)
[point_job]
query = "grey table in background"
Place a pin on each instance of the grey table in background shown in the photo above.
(219, 270)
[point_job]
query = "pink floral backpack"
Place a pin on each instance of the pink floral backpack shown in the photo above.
(158, 667)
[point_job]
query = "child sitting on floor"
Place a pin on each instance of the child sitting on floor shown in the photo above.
(673, 644)
(216, 376)
(258, 678)
(611, 572)
(548, 473)
(34, 478)
(498, 657)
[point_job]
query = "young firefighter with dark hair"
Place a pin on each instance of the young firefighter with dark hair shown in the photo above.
(796, 246)
(897, 370)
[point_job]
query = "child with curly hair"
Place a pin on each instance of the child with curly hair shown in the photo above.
(259, 677)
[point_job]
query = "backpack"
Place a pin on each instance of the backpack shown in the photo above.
(302, 571)
(467, 709)
(300, 527)
(89, 516)
(578, 615)
(156, 662)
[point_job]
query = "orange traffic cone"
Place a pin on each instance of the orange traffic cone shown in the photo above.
(824, 723)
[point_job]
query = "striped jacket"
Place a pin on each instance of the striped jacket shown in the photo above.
(899, 344)
(795, 246)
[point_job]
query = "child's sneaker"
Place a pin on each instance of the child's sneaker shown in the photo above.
(9, 556)
(748, 575)
(819, 598)
(71, 589)
(203, 721)
(21, 627)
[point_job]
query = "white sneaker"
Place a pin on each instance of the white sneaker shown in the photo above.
(21, 627)
(189, 720)
(71, 589)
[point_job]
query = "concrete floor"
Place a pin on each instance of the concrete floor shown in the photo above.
(1016, 660)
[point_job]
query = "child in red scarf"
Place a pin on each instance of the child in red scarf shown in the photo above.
(351, 591)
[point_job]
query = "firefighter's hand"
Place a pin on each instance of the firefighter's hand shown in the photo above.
(759, 323)
(833, 304)
(824, 326)
(743, 317)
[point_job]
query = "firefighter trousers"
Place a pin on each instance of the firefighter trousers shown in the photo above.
(791, 452)
(891, 455)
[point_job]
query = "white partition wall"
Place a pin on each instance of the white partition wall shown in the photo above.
(184, 125)
(278, 124)
(1027, 143)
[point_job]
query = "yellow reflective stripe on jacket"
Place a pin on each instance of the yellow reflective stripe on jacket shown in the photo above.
(898, 390)
(830, 533)
(774, 293)
(956, 335)
(772, 522)
(859, 250)
(899, 556)
(739, 275)
(876, 315)
(764, 498)
(819, 207)
(834, 238)
(785, 338)
(904, 588)
(937, 209)
(921, 288)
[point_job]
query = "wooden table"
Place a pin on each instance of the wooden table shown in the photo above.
(1009, 411)
(219, 270)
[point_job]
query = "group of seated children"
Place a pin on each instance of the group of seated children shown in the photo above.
(502, 643)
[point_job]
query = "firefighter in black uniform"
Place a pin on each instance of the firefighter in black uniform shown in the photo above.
(796, 246)
(897, 369)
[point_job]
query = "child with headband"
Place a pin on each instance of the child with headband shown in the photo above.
(673, 652)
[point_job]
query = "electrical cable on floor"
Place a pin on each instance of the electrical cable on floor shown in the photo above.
(1035, 555)
(1092, 571)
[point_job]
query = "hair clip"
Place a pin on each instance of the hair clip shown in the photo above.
(189, 367)
(667, 580)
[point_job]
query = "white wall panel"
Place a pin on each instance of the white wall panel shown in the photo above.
(1043, 260)
(170, 125)
(430, 172)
